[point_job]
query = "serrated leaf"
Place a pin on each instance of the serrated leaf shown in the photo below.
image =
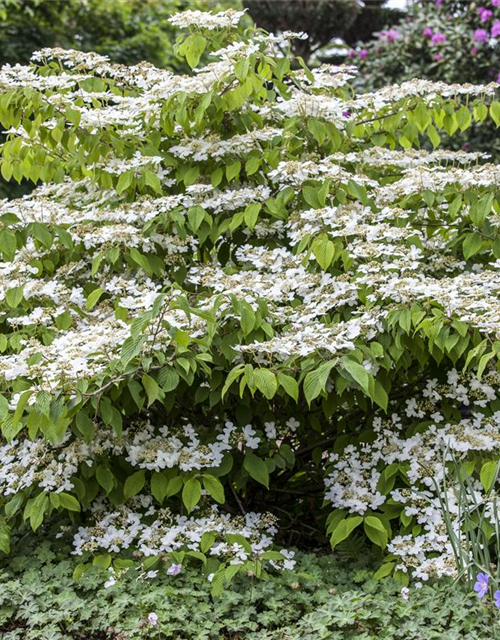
(266, 382)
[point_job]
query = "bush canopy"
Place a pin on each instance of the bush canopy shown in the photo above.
(245, 309)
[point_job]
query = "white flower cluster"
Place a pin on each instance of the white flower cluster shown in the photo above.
(158, 533)
(206, 20)
(456, 418)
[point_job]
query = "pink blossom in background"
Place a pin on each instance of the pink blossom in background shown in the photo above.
(351, 54)
(484, 14)
(363, 54)
(474, 50)
(438, 38)
(480, 35)
(427, 32)
(439, 3)
(495, 3)
(495, 29)
(391, 35)
(438, 57)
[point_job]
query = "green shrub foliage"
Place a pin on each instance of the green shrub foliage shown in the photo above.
(242, 306)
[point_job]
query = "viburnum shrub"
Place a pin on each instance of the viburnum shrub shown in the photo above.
(245, 309)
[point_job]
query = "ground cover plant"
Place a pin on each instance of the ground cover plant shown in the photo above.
(323, 597)
(244, 311)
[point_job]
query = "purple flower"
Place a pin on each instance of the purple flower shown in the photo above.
(495, 29)
(480, 35)
(346, 114)
(496, 595)
(352, 54)
(439, 3)
(153, 619)
(174, 569)
(438, 57)
(474, 50)
(495, 3)
(438, 38)
(481, 586)
(427, 32)
(363, 54)
(484, 14)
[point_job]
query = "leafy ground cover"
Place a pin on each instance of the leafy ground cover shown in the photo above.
(325, 597)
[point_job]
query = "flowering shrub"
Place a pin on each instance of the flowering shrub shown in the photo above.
(242, 304)
(440, 40)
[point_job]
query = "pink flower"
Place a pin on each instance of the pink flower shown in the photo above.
(495, 29)
(428, 31)
(438, 57)
(484, 14)
(174, 569)
(391, 35)
(363, 54)
(481, 35)
(351, 54)
(439, 3)
(474, 50)
(438, 38)
(495, 3)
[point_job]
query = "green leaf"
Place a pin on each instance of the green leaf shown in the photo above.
(358, 373)
(344, 529)
(151, 387)
(290, 385)
(324, 251)
(159, 486)
(472, 244)
(385, 570)
(376, 531)
(257, 468)
(4, 536)
(134, 484)
(233, 170)
(124, 181)
(266, 382)
(191, 493)
(193, 48)
(311, 197)
(168, 379)
(37, 510)
(488, 474)
(14, 297)
(315, 381)
(252, 214)
(105, 478)
(93, 299)
(495, 112)
(214, 487)
(69, 502)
